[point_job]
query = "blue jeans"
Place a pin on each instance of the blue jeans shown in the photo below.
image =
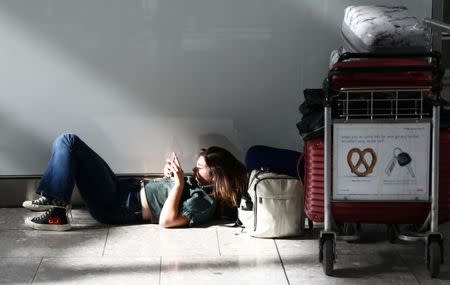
(108, 199)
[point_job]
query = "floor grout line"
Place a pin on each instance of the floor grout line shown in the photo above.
(281, 261)
(160, 269)
(218, 244)
(410, 270)
(106, 239)
(37, 269)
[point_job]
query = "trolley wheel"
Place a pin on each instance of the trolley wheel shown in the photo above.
(310, 224)
(352, 229)
(434, 262)
(349, 229)
(328, 257)
(392, 233)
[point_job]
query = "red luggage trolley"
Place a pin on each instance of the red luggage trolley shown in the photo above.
(381, 139)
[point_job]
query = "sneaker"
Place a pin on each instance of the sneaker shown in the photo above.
(43, 204)
(54, 219)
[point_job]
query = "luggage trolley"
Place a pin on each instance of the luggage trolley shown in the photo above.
(373, 102)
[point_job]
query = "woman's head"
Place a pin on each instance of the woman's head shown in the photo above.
(218, 166)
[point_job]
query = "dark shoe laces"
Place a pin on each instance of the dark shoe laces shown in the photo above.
(48, 213)
(45, 201)
(42, 217)
(41, 201)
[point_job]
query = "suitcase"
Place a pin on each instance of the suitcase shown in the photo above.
(444, 177)
(386, 72)
(313, 179)
(371, 212)
(383, 29)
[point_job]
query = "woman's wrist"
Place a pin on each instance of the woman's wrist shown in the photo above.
(178, 185)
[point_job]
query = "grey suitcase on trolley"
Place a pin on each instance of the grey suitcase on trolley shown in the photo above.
(383, 29)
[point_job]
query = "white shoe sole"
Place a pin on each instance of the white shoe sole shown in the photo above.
(46, 227)
(38, 208)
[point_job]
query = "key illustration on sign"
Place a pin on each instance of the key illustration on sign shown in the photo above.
(361, 167)
(401, 158)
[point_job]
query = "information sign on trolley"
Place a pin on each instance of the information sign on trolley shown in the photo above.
(381, 161)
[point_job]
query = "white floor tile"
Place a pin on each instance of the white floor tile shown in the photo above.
(18, 270)
(297, 247)
(365, 247)
(445, 230)
(416, 264)
(93, 253)
(232, 241)
(374, 239)
(13, 219)
(234, 270)
(152, 240)
(83, 220)
(350, 269)
(99, 270)
(33, 243)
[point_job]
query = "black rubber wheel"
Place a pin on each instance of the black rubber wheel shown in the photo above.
(434, 251)
(328, 257)
(349, 229)
(310, 224)
(392, 233)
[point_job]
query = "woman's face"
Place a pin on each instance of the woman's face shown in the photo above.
(202, 172)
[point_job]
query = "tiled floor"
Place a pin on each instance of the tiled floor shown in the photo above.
(92, 253)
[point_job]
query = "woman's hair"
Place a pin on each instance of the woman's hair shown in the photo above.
(229, 175)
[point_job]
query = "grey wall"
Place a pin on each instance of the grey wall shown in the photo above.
(138, 79)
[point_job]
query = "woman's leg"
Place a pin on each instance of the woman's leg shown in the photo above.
(58, 180)
(72, 161)
(57, 183)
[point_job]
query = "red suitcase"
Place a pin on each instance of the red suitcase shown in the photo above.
(371, 212)
(354, 70)
(380, 72)
(444, 177)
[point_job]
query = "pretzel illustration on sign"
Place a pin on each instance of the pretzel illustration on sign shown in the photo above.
(361, 160)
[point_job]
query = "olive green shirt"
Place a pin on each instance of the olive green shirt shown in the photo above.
(196, 203)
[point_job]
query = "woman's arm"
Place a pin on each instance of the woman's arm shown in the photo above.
(170, 216)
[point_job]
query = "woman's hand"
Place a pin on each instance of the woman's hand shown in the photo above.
(170, 216)
(177, 171)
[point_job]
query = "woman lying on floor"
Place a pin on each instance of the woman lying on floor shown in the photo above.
(218, 182)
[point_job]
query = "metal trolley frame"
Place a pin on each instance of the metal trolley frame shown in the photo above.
(387, 104)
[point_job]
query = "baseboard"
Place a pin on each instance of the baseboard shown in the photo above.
(16, 189)
(13, 191)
